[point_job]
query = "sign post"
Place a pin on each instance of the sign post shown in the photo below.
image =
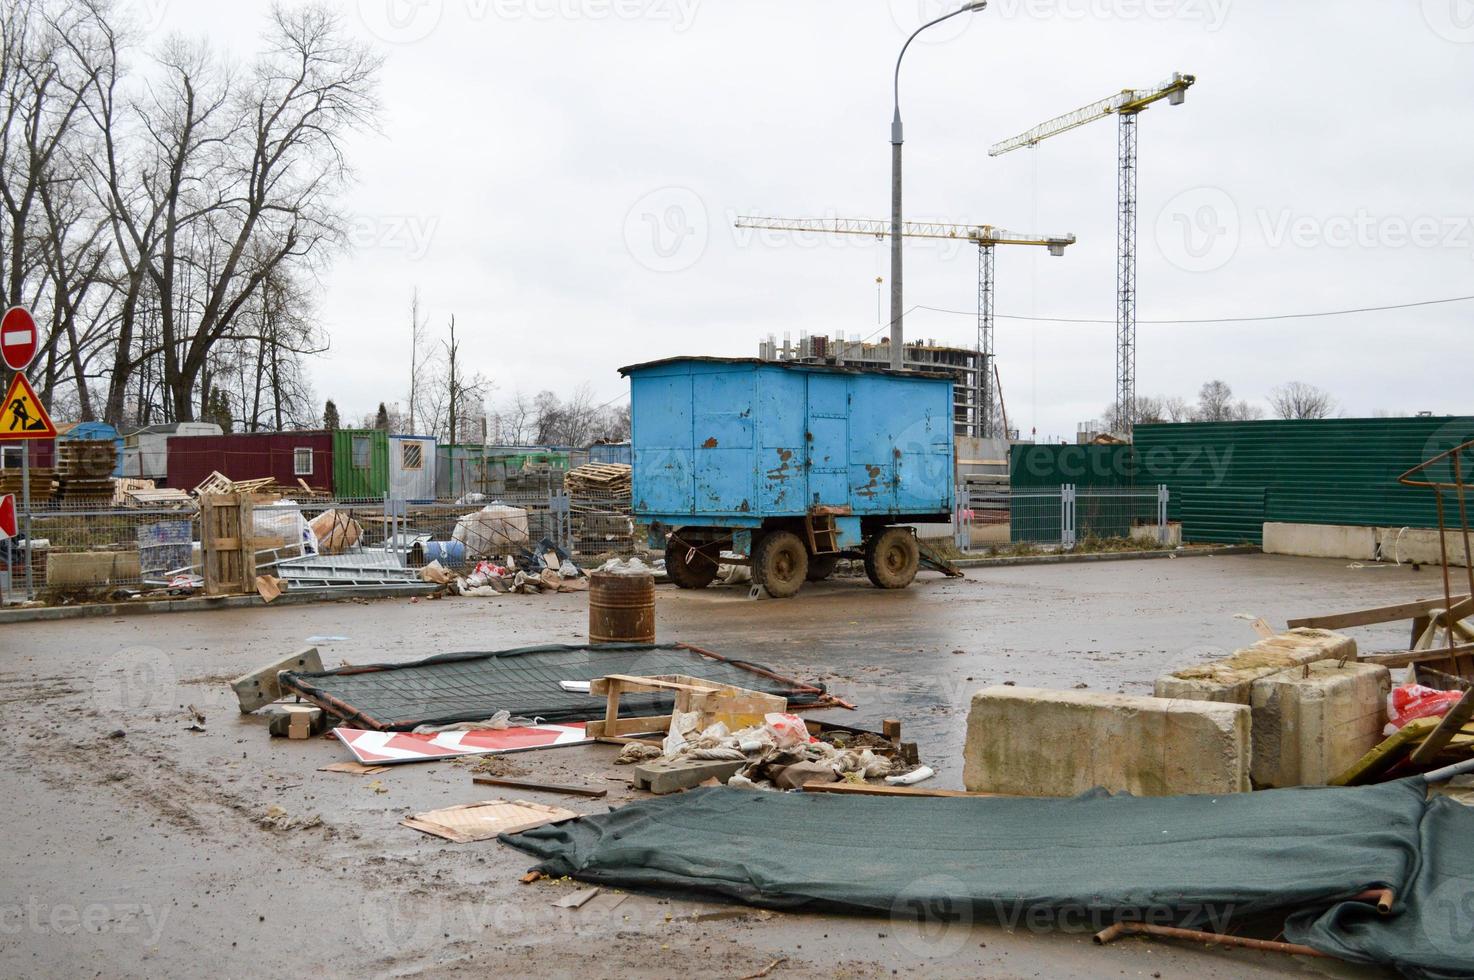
(22, 416)
(7, 532)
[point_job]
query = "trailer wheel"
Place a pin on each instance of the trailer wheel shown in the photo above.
(697, 573)
(780, 563)
(822, 566)
(891, 558)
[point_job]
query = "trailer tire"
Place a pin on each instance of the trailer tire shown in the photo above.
(821, 567)
(697, 573)
(780, 563)
(891, 558)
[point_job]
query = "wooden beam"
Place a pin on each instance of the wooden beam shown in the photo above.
(1453, 721)
(1370, 617)
(528, 784)
(873, 789)
(1406, 658)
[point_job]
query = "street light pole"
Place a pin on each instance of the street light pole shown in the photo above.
(897, 343)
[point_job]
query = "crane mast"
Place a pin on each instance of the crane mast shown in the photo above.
(1127, 104)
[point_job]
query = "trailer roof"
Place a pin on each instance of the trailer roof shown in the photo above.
(791, 366)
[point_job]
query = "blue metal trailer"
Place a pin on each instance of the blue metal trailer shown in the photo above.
(792, 465)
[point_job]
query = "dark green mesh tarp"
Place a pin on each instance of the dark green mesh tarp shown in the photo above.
(1195, 861)
(457, 687)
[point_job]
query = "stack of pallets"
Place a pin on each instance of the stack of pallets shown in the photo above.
(84, 470)
(599, 501)
(42, 485)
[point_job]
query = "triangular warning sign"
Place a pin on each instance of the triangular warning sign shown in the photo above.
(21, 414)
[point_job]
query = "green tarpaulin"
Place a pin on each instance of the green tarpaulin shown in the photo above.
(1196, 861)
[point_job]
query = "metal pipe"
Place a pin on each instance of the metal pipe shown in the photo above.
(1448, 772)
(1113, 932)
(1381, 897)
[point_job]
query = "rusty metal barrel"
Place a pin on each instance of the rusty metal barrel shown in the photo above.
(621, 608)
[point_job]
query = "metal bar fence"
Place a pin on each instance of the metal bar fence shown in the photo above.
(83, 550)
(1061, 518)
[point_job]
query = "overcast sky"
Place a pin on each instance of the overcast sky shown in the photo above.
(562, 176)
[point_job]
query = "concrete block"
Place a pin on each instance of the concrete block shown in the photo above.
(91, 567)
(662, 776)
(1034, 742)
(1230, 679)
(260, 687)
(1320, 540)
(1419, 546)
(1311, 723)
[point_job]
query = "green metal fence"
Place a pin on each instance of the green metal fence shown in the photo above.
(1227, 478)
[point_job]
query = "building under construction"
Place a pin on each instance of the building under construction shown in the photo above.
(962, 363)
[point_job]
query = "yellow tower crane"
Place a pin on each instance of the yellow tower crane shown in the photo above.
(1127, 104)
(989, 419)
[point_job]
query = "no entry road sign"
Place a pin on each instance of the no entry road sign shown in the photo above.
(18, 339)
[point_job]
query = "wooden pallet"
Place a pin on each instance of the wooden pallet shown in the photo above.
(738, 707)
(229, 552)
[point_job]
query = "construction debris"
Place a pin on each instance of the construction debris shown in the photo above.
(389, 748)
(472, 822)
(462, 687)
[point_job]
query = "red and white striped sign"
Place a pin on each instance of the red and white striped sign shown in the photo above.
(387, 748)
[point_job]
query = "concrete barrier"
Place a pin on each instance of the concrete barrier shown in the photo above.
(1311, 723)
(1231, 679)
(1419, 546)
(1320, 541)
(1035, 742)
(1415, 545)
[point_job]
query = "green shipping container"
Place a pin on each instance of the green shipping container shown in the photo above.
(360, 464)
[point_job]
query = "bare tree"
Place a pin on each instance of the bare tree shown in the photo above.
(1216, 404)
(1298, 400)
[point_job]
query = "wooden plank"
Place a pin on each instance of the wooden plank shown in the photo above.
(1370, 617)
(529, 784)
(876, 789)
(629, 726)
(1386, 753)
(1453, 721)
(1406, 658)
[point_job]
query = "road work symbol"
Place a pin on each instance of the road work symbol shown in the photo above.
(22, 415)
